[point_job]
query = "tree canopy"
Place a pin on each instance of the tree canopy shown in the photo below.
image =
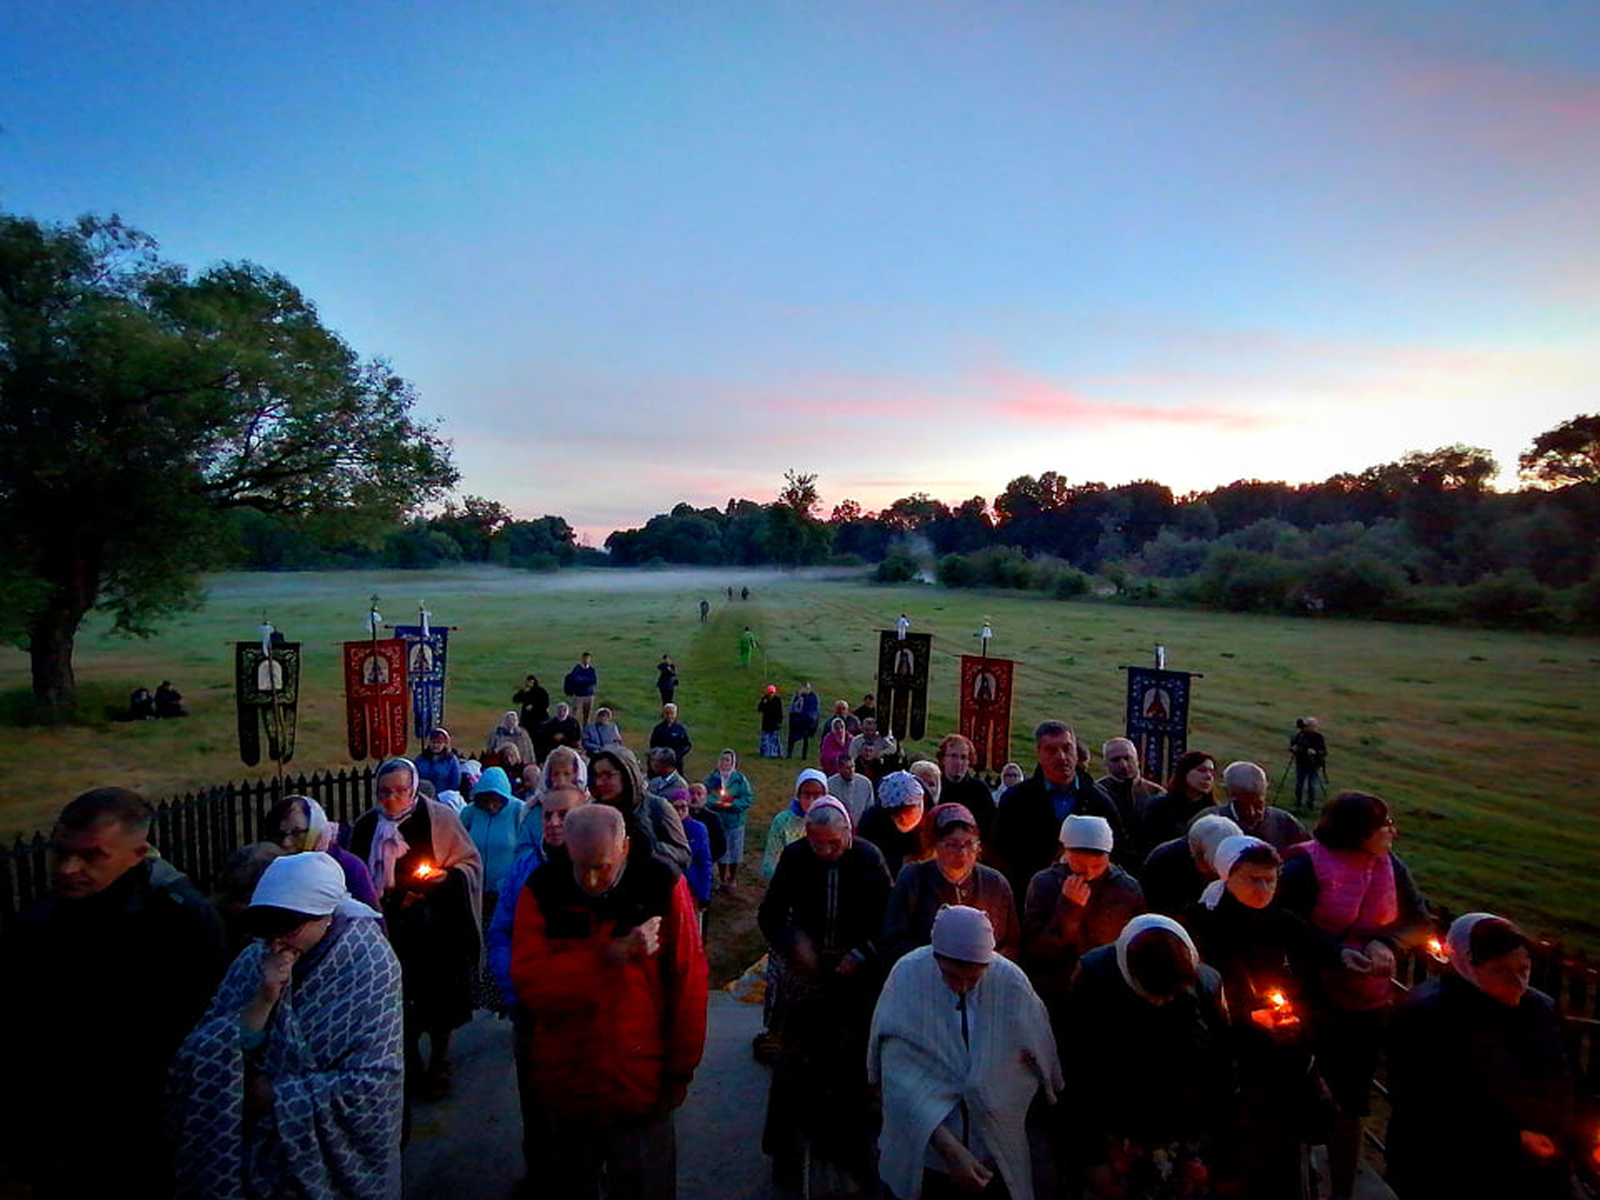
(138, 402)
(1569, 453)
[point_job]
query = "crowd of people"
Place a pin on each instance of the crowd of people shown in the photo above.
(1066, 986)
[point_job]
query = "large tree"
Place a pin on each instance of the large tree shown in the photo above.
(138, 401)
(1569, 453)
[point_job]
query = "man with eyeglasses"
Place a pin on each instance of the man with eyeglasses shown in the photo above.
(952, 876)
(961, 786)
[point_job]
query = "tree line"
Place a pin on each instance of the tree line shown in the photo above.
(156, 422)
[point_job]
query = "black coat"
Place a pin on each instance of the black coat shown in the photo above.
(1466, 1074)
(839, 906)
(98, 994)
(1153, 1073)
(1026, 836)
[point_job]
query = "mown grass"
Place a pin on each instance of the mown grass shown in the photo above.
(1484, 742)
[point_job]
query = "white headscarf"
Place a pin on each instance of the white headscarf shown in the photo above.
(312, 884)
(1139, 925)
(1222, 859)
(1459, 942)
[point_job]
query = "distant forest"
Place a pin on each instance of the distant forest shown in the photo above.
(1425, 538)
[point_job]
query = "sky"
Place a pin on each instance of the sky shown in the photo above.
(637, 253)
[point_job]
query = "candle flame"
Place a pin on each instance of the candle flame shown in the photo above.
(1438, 949)
(425, 871)
(1278, 1001)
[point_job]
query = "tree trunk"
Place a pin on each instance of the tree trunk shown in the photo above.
(50, 643)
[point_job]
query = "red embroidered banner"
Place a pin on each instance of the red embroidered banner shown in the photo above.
(375, 698)
(986, 709)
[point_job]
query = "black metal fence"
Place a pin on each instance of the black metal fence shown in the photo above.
(196, 832)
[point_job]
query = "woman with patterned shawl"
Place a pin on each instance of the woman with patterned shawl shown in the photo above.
(429, 878)
(292, 1082)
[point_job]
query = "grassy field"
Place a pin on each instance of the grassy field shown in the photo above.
(1484, 742)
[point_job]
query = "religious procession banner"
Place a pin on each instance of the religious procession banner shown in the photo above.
(425, 663)
(1158, 717)
(903, 660)
(375, 697)
(266, 688)
(985, 708)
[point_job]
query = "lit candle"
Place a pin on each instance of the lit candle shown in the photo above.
(425, 871)
(1438, 951)
(1278, 1012)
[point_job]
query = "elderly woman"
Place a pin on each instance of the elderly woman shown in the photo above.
(728, 797)
(952, 876)
(1177, 871)
(563, 767)
(1010, 775)
(834, 748)
(1156, 1114)
(297, 824)
(1188, 795)
(1362, 905)
(493, 820)
(1483, 1092)
(896, 825)
(603, 733)
(789, 824)
(822, 915)
(960, 1046)
(439, 764)
(1082, 901)
(291, 1084)
(429, 878)
(508, 732)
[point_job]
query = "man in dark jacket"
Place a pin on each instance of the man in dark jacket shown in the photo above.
(1129, 790)
(579, 687)
(103, 980)
(1027, 823)
(670, 734)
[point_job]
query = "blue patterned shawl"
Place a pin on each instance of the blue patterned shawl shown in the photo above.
(334, 1054)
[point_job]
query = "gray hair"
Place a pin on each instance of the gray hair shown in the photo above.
(1244, 777)
(826, 816)
(1105, 750)
(660, 754)
(595, 821)
(1206, 834)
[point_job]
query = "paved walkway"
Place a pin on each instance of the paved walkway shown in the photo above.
(467, 1147)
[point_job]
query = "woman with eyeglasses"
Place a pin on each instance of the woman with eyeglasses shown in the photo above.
(1360, 900)
(952, 876)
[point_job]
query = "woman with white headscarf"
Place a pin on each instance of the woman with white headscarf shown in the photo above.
(1263, 953)
(1157, 1108)
(1484, 1095)
(291, 1084)
(429, 878)
(298, 824)
(823, 917)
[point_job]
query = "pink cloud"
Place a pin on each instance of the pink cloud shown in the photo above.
(1038, 401)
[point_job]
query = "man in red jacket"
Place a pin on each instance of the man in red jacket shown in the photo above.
(606, 957)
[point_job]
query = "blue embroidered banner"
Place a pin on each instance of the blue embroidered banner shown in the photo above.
(425, 664)
(1158, 717)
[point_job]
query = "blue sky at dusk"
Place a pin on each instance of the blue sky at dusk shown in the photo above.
(633, 253)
